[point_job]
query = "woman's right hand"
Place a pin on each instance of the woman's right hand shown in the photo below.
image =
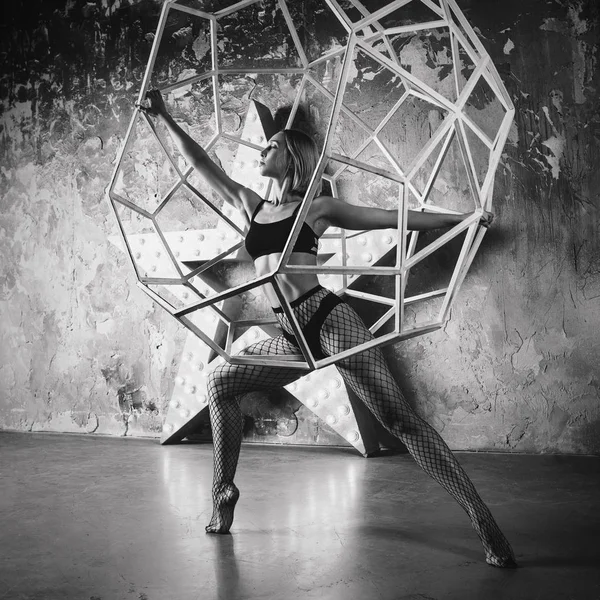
(156, 105)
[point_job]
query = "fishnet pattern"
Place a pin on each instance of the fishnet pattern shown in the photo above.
(369, 377)
(226, 383)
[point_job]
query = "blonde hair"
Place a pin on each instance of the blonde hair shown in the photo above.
(303, 158)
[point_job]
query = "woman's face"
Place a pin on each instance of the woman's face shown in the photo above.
(274, 158)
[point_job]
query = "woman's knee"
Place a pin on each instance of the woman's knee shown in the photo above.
(248, 351)
(387, 404)
(399, 418)
(218, 382)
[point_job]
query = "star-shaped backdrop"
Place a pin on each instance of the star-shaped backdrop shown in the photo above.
(321, 391)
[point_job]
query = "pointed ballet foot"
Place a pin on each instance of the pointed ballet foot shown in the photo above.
(498, 551)
(224, 501)
(502, 563)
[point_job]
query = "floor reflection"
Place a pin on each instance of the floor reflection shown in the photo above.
(311, 524)
(226, 568)
(285, 506)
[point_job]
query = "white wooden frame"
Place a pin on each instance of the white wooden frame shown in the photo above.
(362, 37)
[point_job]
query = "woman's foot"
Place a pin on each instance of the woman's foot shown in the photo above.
(503, 563)
(498, 552)
(224, 501)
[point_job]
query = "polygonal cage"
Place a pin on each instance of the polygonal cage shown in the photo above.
(408, 112)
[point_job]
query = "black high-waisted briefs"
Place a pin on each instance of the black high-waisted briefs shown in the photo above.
(311, 309)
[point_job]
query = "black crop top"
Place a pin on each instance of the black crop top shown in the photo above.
(270, 238)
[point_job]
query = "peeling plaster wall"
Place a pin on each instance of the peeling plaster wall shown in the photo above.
(83, 350)
(517, 366)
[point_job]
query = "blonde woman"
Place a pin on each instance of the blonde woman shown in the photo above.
(328, 323)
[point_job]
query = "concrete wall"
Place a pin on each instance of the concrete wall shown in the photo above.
(83, 350)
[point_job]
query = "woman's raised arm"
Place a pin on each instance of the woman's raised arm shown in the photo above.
(349, 216)
(233, 193)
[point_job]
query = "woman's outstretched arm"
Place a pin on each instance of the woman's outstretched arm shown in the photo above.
(232, 192)
(349, 216)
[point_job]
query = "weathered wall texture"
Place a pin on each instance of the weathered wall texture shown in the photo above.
(517, 366)
(83, 350)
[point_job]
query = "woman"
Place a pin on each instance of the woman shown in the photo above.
(330, 325)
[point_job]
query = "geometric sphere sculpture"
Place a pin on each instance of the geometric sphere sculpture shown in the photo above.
(410, 113)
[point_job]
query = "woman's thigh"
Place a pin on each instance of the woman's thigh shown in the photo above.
(367, 372)
(234, 379)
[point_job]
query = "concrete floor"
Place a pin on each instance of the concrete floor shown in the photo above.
(92, 518)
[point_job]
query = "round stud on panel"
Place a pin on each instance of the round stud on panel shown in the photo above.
(353, 437)
(344, 410)
(335, 383)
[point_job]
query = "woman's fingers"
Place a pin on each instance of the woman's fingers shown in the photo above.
(155, 97)
(486, 218)
(154, 103)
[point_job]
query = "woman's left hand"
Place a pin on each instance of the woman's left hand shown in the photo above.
(486, 218)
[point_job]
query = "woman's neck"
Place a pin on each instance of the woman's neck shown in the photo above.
(278, 193)
(280, 196)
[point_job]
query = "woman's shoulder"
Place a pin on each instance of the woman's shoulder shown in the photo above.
(320, 213)
(250, 201)
(323, 201)
(324, 205)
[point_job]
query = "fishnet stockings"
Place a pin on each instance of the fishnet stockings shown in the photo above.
(369, 377)
(226, 383)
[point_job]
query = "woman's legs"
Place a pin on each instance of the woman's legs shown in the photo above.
(225, 384)
(368, 375)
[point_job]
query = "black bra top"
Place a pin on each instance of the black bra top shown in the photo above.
(270, 238)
